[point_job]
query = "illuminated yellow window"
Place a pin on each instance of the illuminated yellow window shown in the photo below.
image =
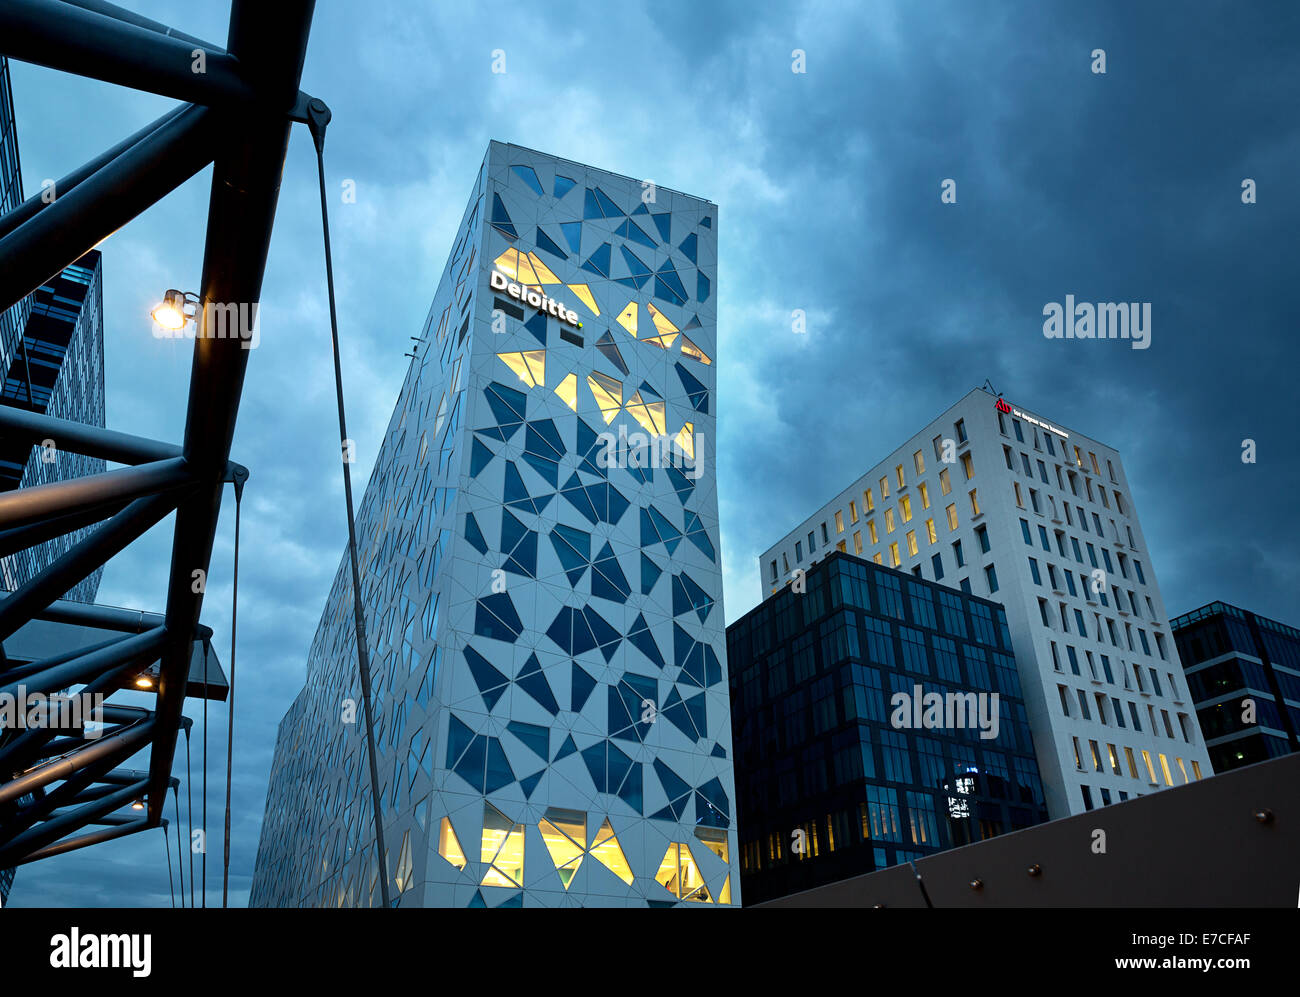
(1196, 769)
(650, 414)
(968, 465)
(449, 845)
(951, 512)
(665, 331)
(627, 318)
(905, 507)
(894, 559)
(608, 394)
(839, 521)
(840, 547)
(924, 489)
(853, 511)
(1181, 768)
(911, 542)
(691, 350)
(1132, 765)
(857, 541)
(567, 389)
(405, 866)
(686, 440)
(869, 499)
(584, 295)
(563, 833)
(529, 366)
(606, 850)
(1078, 758)
(1164, 767)
(884, 487)
(716, 842)
(945, 483)
(503, 849)
(680, 876)
(974, 502)
(878, 558)
(871, 529)
(1151, 770)
(889, 520)
(930, 532)
(898, 473)
(918, 461)
(1078, 457)
(1114, 759)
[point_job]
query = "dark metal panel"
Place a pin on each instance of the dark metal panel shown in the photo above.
(893, 887)
(31, 505)
(1232, 840)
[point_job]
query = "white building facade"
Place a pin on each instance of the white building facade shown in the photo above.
(541, 585)
(1009, 505)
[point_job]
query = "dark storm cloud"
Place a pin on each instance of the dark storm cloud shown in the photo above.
(1117, 187)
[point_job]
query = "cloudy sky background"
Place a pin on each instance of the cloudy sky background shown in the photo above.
(1124, 186)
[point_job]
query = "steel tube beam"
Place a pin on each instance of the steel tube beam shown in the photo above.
(32, 667)
(140, 21)
(98, 206)
(270, 41)
(36, 594)
(103, 47)
(83, 840)
(23, 506)
(34, 204)
(114, 748)
(23, 537)
(55, 828)
(133, 650)
(76, 437)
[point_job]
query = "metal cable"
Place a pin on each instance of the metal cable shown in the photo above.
(230, 723)
(171, 882)
(180, 855)
(317, 118)
(203, 816)
(189, 810)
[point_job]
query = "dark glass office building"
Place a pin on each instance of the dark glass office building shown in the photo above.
(877, 718)
(1243, 672)
(12, 320)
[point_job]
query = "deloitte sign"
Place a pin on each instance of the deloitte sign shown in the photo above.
(534, 299)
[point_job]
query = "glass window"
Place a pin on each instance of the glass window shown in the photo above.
(945, 483)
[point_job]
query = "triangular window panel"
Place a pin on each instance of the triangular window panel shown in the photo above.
(689, 247)
(608, 394)
(534, 737)
(502, 849)
(627, 318)
(610, 350)
(567, 389)
(691, 350)
(491, 682)
(608, 207)
(650, 414)
(568, 747)
(479, 457)
(529, 176)
(547, 245)
(641, 638)
(630, 230)
(529, 365)
(695, 389)
(650, 573)
(703, 286)
(607, 579)
(581, 686)
(562, 186)
(663, 222)
(533, 681)
(501, 218)
(572, 232)
(573, 548)
(559, 830)
(590, 206)
(449, 845)
(473, 534)
(584, 295)
(537, 326)
(669, 286)
(606, 850)
(598, 262)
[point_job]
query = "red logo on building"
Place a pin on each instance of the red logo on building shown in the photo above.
(1002, 406)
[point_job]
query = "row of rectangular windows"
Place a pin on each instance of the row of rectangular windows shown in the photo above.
(1113, 758)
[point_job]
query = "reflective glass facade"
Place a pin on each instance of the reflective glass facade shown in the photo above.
(1243, 672)
(544, 603)
(835, 775)
(14, 320)
(57, 370)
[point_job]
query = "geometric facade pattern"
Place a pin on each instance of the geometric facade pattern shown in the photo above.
(553, 722)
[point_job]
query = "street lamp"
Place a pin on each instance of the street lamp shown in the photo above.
(171, 313)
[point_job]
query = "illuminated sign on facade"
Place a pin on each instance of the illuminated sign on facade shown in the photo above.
(1008, 409)
(534, 299)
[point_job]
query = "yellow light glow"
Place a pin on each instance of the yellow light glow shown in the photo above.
(529, 366)
(649, 414)
(584, 295)
(608, 394)
(169, 317)
(686, 440)
(691, 350)
(449, 845)
(606, 850)
(144, 682)
(627, 318)
(567, 389)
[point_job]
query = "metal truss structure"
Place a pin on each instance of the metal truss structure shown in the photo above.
(239, 104)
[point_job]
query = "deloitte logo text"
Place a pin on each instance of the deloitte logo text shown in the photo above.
(534, 299)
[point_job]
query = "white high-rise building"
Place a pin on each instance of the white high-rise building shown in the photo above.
(1010, 505)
